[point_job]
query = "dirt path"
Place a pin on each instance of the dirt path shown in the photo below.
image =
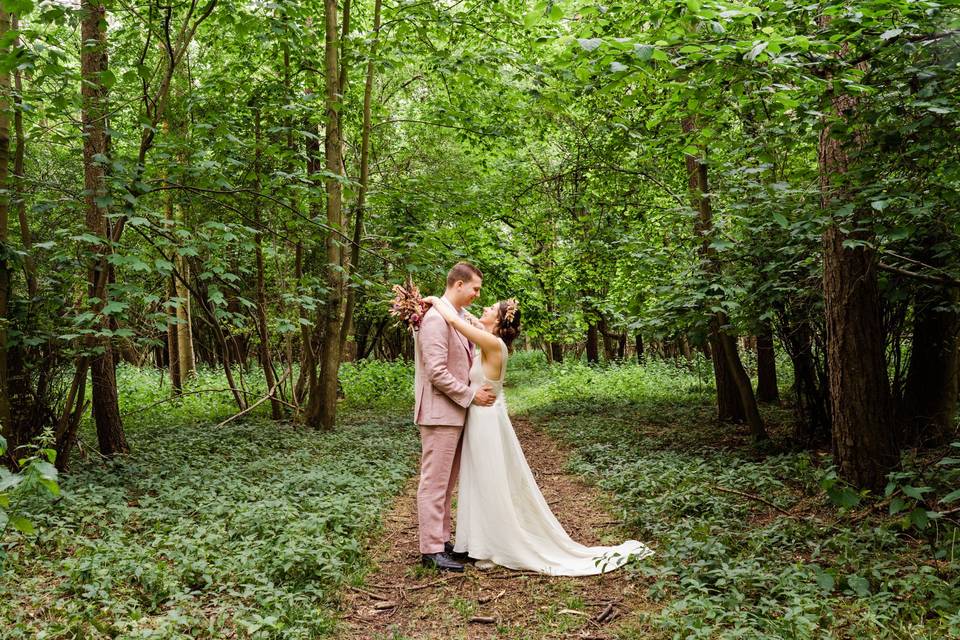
(400, 600)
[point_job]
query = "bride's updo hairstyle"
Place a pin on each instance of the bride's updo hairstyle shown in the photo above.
(508, 323)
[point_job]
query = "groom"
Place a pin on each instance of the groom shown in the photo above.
(443, 395)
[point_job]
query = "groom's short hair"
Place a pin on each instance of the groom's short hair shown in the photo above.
(462, 271)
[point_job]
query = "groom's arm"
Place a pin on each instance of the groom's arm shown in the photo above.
(433, 338)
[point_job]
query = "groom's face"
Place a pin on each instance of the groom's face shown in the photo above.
(469, 291)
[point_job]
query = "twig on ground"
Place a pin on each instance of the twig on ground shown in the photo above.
(603, 615)
(753, 497)
(430, 584)
(488, 599)
(375, 596)
(483, 620)
(518, 574)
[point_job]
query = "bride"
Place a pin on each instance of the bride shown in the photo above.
(501, 515)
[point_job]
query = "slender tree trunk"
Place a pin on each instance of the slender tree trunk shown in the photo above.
(556, 350)
(66, 430)
(364, 178)
(185, 351)
(593, 343)
(266, 358)
(322, 404)
(928, 410)
(6, 423)
(307, 381)
(734, 383)
(638, 343)
(93, 64)
(173, 347)
(767, 390)
(18, 169)
(173, 341)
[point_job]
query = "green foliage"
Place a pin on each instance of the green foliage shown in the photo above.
(202, 532)
(35, 477)
(377, 384)
(728, 566)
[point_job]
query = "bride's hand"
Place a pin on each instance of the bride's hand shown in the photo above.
(444, 310)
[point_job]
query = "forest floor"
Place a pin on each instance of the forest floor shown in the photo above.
(402, 600)
(257, 530)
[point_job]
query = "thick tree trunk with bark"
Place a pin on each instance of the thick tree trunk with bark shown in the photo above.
(767, 390)
(860, 404)
(94, 111)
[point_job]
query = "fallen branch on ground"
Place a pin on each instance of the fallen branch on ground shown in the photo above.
(753, 497)
(258, 402)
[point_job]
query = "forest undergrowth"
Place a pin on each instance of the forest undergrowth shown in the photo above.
(254, 529)
(751, 542)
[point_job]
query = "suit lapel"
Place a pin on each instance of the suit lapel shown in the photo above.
(463, 339)
(466, 344)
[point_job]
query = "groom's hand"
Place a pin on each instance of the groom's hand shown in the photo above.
(485, 396)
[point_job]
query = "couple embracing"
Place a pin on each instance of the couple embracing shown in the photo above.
(466, 434)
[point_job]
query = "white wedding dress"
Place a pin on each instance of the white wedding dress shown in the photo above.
(501, 514)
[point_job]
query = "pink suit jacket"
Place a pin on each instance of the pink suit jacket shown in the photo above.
(444, 356)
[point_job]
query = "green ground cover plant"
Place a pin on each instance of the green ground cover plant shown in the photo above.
(203, 531)
(729, 566)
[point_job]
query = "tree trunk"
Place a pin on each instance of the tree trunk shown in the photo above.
(860, 402)
(307, 380)
(266, 358)
(556, 351)
(734, 383)
(322, 404)
(173, 355)
(94, 111)
(929, 407)
(18, 169)
(6, 423)
(767, 390)
(638, 343)
(364, 179)
(173, 340)
(811, 406)
(593, 343)
(185, 351)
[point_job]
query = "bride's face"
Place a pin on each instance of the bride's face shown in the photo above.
(490, 317)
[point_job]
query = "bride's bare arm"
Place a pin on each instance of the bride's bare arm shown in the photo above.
(487, 342)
